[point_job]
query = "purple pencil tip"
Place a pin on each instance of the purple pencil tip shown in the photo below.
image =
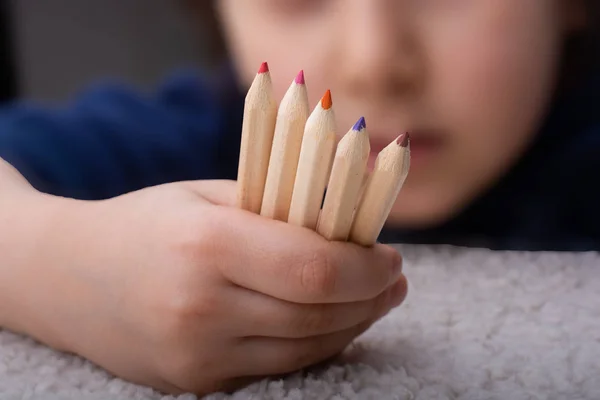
(360, 124)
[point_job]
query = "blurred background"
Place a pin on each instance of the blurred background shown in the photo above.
(51, 49)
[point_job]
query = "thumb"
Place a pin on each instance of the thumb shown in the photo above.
(217, 191)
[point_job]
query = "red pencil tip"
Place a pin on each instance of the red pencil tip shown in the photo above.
(403, 140)
(300, 78)
(326, 100)
(264, 67)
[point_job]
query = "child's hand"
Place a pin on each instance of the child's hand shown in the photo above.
(173, 288)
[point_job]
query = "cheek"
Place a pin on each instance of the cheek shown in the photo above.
(490, 79)
(495, 92)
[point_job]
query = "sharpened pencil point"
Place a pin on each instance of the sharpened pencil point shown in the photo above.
(403, 139)
(360, 124)
(326, 100)
(300, 78)
(264, 67)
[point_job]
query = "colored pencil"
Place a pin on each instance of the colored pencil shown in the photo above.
(347, 172)
(285, 153)
(260, 112)
(382, 189)
(316, 155)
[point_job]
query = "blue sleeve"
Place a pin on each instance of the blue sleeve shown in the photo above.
(581, 208)
(111, 140)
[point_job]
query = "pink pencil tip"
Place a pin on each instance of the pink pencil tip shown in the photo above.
(403, 140)
(264, 67)
(300, 78)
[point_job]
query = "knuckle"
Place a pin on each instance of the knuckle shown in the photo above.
(199, 239)
(182, 310)
(319, 275)
(190, 306)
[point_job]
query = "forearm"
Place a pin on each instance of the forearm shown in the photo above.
(110, 141)
(28, 229)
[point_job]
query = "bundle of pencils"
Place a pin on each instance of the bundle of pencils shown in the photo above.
(292, 170)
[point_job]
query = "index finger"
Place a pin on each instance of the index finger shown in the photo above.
(298, 265)
(217, 191)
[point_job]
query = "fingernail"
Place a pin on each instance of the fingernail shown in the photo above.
(397, 268)
(396, 295)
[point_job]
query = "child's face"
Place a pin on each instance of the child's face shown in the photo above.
(469, 79)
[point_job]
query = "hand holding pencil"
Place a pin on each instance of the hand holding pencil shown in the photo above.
(247, 295)
(289, 158)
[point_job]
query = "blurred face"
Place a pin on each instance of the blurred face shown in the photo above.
(469, 79)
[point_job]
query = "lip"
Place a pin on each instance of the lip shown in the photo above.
(423, 146)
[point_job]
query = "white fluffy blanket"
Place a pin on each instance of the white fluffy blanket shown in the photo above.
(477, 325)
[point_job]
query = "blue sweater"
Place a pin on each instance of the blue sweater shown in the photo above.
(112, 140)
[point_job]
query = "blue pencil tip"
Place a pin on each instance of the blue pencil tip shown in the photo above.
(360, 124)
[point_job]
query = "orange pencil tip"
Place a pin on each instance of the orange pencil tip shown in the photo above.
(326, 100)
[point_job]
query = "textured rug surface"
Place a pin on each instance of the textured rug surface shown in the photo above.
(476, 325)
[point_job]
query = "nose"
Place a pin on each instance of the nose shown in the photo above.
(378, 56)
